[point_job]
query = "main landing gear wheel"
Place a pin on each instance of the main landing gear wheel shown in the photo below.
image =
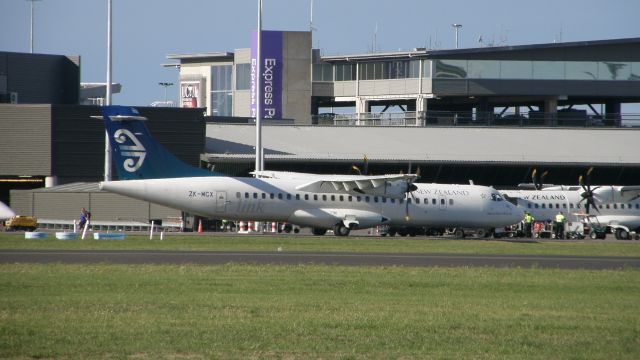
(458, 233)
(622, 234)
(341, 230)
(318, 232)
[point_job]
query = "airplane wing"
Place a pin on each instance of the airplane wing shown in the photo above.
(339, 178)
(286, 175)
(532, 186)
(393, 186)
(631, 191)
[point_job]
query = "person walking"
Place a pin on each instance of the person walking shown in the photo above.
(84, 216)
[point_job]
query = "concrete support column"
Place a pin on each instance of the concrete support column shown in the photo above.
(421, 111)
(362, 107)
(314, 111)
(551, 111)
(484, 111)
(612, 110)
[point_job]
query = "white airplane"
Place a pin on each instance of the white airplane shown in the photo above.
(5, 212)
(617, 207)
(337, 202)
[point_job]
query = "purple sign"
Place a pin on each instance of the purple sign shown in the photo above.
(269, 74)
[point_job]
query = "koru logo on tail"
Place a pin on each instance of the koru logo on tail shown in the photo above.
(136, 153)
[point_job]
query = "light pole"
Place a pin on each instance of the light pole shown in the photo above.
(31, 33)
(107, 144)
(165, 85)
(456, 27)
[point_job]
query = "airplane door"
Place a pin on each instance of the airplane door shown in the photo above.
(221, 201)
(442, 200)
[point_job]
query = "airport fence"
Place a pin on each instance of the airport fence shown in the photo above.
(449, 118)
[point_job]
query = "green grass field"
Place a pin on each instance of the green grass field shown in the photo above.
(314, 311)
(318, 311)
(332, 243)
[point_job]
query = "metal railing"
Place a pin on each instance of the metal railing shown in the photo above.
(449, 118)
(57, 224)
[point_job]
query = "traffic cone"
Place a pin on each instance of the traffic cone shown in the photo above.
(200, 227)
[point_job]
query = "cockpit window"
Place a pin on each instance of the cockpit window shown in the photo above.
(496, 197)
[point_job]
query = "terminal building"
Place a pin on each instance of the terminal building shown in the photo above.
(541, 84)
(488, 114)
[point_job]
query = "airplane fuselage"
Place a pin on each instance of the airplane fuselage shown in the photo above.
(613, 209)
(443, 205)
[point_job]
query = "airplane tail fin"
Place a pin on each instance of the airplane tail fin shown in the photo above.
(136, 153)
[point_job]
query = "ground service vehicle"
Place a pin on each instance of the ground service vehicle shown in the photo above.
(19, 222)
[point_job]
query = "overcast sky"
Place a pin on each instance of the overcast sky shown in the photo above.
(145, 31)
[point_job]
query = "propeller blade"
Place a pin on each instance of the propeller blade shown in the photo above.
(418, 172)
(366, 165)
(581, 182)
(589, 177)
(542, 178)
(534, 180)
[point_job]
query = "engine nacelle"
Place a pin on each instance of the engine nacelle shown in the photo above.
(391, 189)
(328, 217)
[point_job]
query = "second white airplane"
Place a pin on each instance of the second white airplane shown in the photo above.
(616, 207)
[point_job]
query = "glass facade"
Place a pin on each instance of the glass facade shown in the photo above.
(381, 70)
(536, 70)
(243, 76)
(384, 70)
(221, 90)
(322, 72)
(478, 69)
(345, 72)
(450, 69)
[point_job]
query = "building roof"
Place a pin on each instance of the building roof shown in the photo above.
(461, 53)
(427, 144)
(217, 55)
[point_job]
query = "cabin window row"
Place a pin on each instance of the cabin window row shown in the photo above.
(616, 206)
(578, 206)
(342, 198)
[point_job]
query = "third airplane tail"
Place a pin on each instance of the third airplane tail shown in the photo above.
(136, 153)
